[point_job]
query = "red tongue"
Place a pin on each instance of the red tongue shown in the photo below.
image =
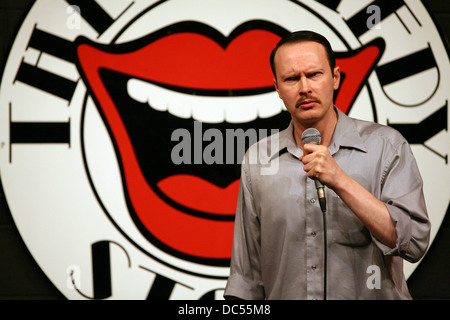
(198, 194)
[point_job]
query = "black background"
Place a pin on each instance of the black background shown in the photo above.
(21, 277)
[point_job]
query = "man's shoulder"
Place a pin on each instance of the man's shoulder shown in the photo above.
(369, 130)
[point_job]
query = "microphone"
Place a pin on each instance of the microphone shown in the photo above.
(312, 135)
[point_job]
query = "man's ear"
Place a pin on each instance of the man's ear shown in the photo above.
(336, 77)
(276, 86)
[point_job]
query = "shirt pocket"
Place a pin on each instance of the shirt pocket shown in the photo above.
(345, 227)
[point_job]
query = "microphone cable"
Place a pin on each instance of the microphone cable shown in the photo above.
(325, 253)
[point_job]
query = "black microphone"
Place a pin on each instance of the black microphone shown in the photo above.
(312, 135)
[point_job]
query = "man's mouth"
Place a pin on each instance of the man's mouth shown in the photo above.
(307, 103)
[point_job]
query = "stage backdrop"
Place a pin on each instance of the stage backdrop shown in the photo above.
(123, 126)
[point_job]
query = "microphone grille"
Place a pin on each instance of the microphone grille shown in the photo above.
(311, 135)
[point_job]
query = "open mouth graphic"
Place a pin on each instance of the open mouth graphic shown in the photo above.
(146, 89)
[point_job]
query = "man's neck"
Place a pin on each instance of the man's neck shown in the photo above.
(326, 128)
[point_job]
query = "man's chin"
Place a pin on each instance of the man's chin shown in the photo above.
(306, 117)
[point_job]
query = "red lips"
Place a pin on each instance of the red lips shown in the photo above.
(356, 68)
(195, 61)
(189, 60)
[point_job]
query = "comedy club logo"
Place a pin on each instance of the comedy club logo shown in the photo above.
(123, 125)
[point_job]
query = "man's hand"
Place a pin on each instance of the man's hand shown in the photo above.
(318, 163)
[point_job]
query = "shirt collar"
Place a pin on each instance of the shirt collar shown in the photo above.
(345, 135)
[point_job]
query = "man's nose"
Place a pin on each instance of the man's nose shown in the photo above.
(305, 86)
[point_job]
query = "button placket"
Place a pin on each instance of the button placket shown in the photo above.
(313, 244)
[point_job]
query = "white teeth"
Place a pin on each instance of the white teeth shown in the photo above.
(241, 111)
(205, 108)
(212, 112)
(137, 90)
(177, 109)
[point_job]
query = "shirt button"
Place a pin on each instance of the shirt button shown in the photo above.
(313, 233)
(312, 200)
(314, 267)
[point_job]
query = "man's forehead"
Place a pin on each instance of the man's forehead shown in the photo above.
(305, 52)
(302, 47)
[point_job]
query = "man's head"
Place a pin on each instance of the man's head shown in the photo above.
(305, 78)
(304, 35)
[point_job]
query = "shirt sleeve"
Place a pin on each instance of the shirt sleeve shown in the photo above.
(245, 273)
(402, 193)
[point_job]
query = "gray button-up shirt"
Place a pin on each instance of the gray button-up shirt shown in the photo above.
(278, 248)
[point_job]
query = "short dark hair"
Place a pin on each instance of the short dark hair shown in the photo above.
(300, 36)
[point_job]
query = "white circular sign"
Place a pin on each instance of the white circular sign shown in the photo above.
(92, 97)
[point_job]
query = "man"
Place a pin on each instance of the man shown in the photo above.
(376, 214)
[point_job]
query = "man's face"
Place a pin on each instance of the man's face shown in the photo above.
(305, 82)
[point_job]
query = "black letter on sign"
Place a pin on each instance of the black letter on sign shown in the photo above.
(419, 133)
(43, 79)
(161, 289)
(101, 269)
(37, 132)
(51, 44)
(46, 81)
(406, 66)
(332, 4)
(94, 14)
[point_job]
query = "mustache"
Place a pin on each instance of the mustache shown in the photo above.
(307, 99)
